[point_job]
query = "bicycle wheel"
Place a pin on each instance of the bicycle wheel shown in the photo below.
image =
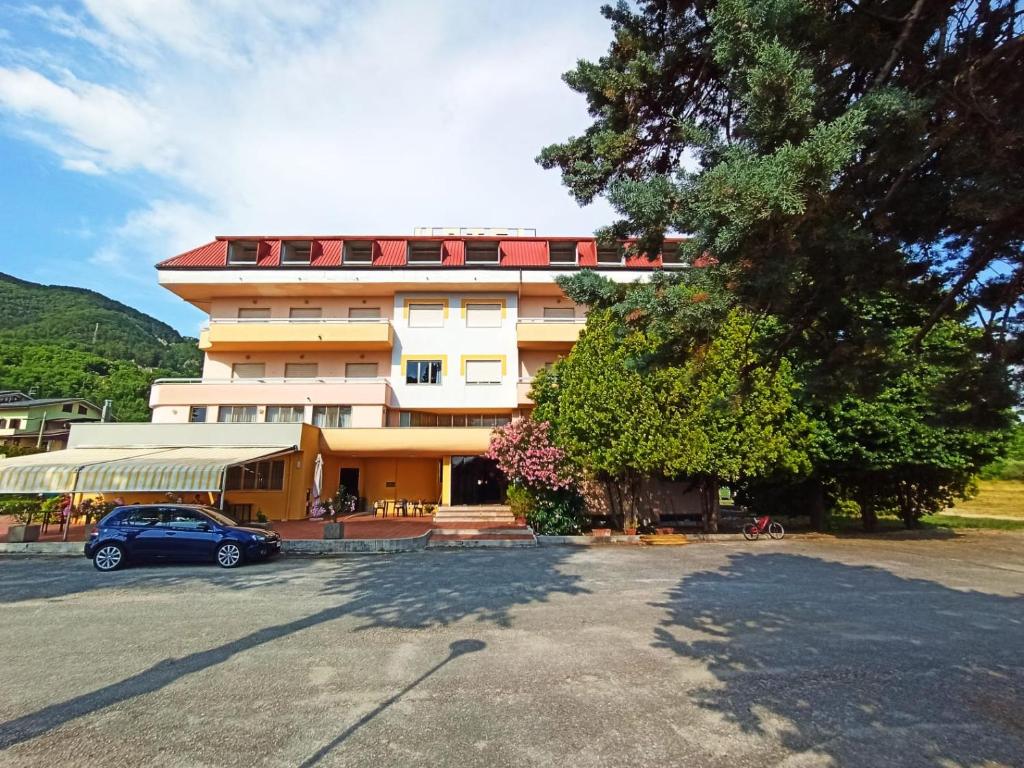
(776, 531)
(750, 532)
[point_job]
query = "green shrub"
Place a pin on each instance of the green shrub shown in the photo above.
(558, 513)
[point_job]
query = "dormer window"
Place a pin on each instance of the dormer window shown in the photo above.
(485, 252)
(242, 252)
(563, 253)
(296, 252)
(609, 254)
(358, 252)
(670, 255)
(424, 252)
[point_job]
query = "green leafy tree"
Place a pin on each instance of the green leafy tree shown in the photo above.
(623, 408)
(818, 150)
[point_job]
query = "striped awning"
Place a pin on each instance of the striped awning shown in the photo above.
(103, 470)
(56, 472)
(175, 469)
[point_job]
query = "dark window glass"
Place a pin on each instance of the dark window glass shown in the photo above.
(181, 519)
(82, 410)
(142, 517)
(68, 407)
(423, 372)
(197, 414)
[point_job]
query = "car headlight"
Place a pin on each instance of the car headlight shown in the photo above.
(258, 537)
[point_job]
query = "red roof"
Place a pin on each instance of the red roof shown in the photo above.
(390, 251)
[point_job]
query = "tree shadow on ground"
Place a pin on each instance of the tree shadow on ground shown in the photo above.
(854, 663)
(414, 590)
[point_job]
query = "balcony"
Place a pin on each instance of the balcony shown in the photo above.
(409, 441)
(261, 391)
(523, 388)
(549, 333)
(288, 334)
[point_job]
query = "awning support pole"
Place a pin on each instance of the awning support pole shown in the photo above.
(67, 523)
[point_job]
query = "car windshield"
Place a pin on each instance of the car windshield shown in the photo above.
(218, 516)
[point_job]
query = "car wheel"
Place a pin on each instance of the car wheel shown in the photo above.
(229, 555)
(109, 557)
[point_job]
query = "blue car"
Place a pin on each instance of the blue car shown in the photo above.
(183, 532)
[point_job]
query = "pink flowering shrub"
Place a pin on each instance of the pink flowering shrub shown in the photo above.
(525, 454)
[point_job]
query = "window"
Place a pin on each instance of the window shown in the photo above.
(197, 414)
(296, 252)
(427, 419)
(242, 252)
(82, 410)
(284, 414)
(305, 313)
(562, 253)
(236, 414)
(426, 315)
(482, 252)
(332, 416)
(559, 313)
(483, 371)
(257, 476)
(181, 519)
(68, 407)
(424, 252)
(142, 517)
(248, 370)
(3, 423)
(358, 252)
(609, 254)
(483, 315)
(360, 370)
(670, 254)
(300, 370)
(364, 313)
(253, 313)
(14, 424)
(423, 372)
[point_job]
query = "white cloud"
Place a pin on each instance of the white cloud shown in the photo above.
(265, 116)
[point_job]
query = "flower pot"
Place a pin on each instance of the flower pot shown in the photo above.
(334, 530)
(630, 531)
(22, 533)
(520, 520)
(601, 532)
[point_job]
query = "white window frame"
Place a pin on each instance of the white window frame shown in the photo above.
(342, 412)
(236, 366)
(418, 364)
(414, 304)
(293, 411)
(470, 305)
(412, 246)
(559, 244)
(291, 368)
(346, 252)
(233, 409)
(493, 379)
(238, 248)
(290, 249)
(492, 255)
(618, 249)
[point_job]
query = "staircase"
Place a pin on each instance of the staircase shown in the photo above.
(490, 526)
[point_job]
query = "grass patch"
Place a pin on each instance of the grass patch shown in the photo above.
(952, 521)
(996, 497)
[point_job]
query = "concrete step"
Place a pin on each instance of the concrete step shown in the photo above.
(469, 530)
(481, 540)
(664, 539)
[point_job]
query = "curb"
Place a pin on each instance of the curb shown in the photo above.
(597, 541)
(43, 548)
(329, 547)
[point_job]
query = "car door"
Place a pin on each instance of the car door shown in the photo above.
(189, 534)
(143, 535)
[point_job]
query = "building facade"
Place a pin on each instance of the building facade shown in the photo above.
(29, 422)
(404, 352)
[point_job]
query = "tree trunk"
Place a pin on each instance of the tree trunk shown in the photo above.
(709, 504)
(869, 516)
(817, 505)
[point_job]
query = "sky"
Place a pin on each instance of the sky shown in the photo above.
(133, 130)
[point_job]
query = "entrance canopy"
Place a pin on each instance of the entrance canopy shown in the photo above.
(104, 470)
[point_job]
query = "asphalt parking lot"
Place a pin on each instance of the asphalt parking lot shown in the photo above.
(807, 652)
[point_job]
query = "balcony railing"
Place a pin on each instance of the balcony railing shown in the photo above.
(242, 334)
(554, 320)
(548, 332)
(321, 390)
(281, 380)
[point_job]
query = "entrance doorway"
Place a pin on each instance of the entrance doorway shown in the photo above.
(348, 479)
(477, 480)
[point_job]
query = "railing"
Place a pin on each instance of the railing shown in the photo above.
(295, 321)
(553, 320)
(281, 380)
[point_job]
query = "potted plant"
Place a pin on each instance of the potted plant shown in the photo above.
(25, 512)
(343, 503)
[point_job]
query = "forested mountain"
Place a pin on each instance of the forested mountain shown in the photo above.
(61, 341)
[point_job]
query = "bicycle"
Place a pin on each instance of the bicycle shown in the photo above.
(763, 524)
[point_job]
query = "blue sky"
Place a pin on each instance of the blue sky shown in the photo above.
(131, 130)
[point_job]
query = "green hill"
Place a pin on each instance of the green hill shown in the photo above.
(61, 341)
